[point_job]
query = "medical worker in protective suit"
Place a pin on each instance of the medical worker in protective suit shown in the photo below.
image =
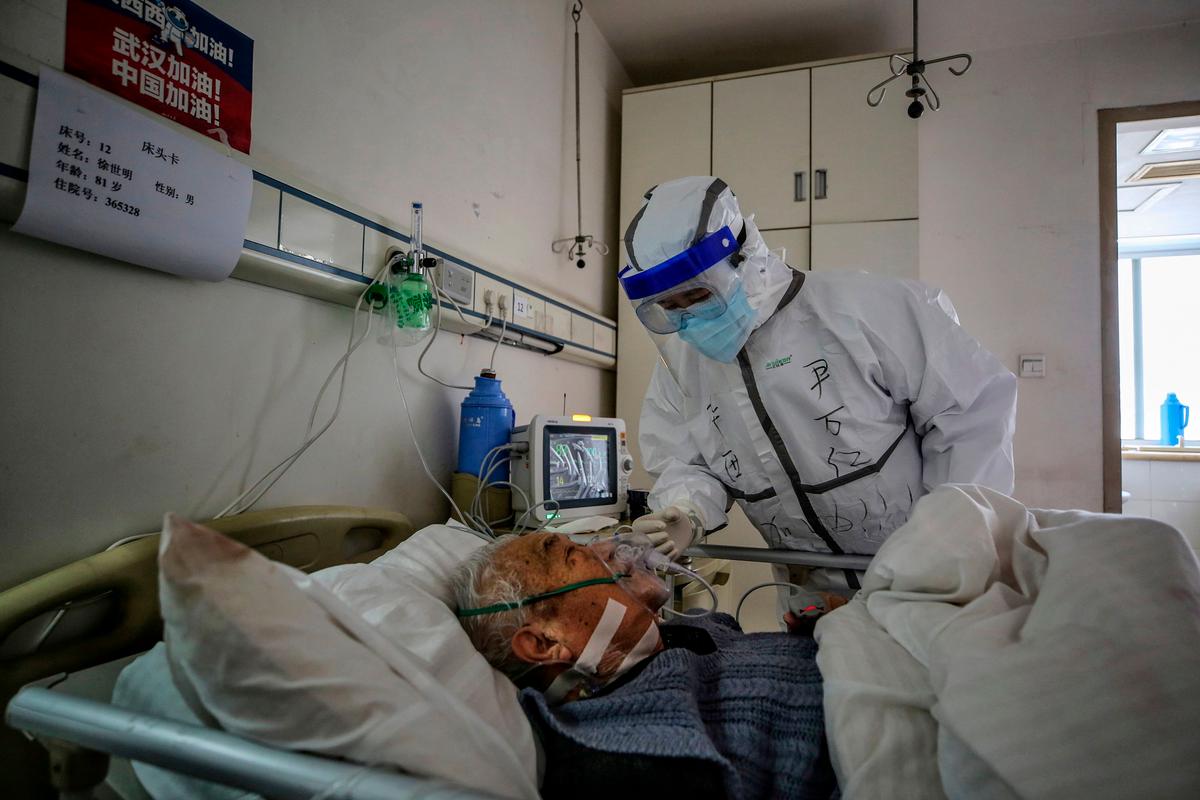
(825, 404)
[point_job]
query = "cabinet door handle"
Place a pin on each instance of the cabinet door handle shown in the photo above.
(820, 184)
(798, 189)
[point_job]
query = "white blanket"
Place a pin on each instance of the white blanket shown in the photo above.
(1055, 654)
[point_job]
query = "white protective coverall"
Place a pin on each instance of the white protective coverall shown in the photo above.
(853, 396)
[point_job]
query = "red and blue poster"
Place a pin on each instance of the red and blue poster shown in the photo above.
(171, 57)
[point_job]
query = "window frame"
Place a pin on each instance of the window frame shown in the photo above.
(1140, 443)
(1107, 120)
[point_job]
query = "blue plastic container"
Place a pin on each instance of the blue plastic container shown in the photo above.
(1175, 417)
(485, 421)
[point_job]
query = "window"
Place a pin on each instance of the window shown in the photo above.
(1159, 302)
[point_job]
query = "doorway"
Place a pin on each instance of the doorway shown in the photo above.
(1149, 160)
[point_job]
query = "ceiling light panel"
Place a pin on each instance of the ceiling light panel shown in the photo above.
(1167, 170)
(1141, 198)
(1173, 140)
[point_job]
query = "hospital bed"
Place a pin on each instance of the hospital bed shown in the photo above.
(94, 615)
(1107, 631)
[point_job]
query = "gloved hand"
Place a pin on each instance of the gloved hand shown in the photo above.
(672, 530)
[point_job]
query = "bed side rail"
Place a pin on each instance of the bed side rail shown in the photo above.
(210, 754)
(800, 558)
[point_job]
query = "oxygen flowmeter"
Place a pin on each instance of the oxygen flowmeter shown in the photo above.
(409, 293)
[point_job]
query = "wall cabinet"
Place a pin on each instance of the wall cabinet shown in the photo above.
(795, 245)
(884, 248)
(665, 134)
(760, 145)
(864, 159)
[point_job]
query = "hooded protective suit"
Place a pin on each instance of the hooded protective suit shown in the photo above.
(852, 396)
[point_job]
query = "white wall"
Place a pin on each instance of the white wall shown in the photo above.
(127, 392)
(1167, 490)
(1010, 218)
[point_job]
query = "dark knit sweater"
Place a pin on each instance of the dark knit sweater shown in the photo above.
(726, 714)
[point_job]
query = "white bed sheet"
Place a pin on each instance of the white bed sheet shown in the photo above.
(882, 738)
(1062, 651)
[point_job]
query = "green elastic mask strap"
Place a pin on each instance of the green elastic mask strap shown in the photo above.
(570, 587)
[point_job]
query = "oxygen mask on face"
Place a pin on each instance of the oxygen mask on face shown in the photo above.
(633, 554)
(626, 558)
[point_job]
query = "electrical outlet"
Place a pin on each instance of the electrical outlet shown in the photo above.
(484, 287)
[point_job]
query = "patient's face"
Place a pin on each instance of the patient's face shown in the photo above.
(546, 561)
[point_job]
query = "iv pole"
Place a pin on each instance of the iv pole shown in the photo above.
(576, 246)
(915, 67)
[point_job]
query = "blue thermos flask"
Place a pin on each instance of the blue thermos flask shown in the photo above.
(1174, 419)
(485, 421)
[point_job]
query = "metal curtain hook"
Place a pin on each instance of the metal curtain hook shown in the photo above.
(954, 57)
(880, 87)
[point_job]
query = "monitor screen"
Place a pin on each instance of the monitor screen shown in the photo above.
(581, 468)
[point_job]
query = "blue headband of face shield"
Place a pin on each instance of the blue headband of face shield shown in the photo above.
(712, 249)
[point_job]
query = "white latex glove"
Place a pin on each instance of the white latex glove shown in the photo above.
(672, 530)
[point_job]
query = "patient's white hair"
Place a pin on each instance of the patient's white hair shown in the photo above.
(478, 583)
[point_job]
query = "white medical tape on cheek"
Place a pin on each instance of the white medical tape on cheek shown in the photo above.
(597, 644)
(642, 649)
(585, 666)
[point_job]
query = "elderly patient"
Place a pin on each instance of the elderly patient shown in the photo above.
(624, 702)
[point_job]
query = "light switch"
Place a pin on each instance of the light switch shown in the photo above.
(1033, 365)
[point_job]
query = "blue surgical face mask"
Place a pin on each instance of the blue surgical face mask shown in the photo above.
(722, 337)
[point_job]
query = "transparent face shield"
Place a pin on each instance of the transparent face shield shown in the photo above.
(697, 284)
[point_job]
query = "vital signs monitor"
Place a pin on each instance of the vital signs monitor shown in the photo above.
(572, 467)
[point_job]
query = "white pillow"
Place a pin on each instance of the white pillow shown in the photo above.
(269, 653)
(407, 596)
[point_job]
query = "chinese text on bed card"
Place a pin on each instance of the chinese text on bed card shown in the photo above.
(169, 56)
(109, 179)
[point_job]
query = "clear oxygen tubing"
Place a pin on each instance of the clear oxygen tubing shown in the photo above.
(657, 560)
(344, 363)
(437, 328)
(737, 615)
(283, 466)
(412, 429)
(503, 330)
